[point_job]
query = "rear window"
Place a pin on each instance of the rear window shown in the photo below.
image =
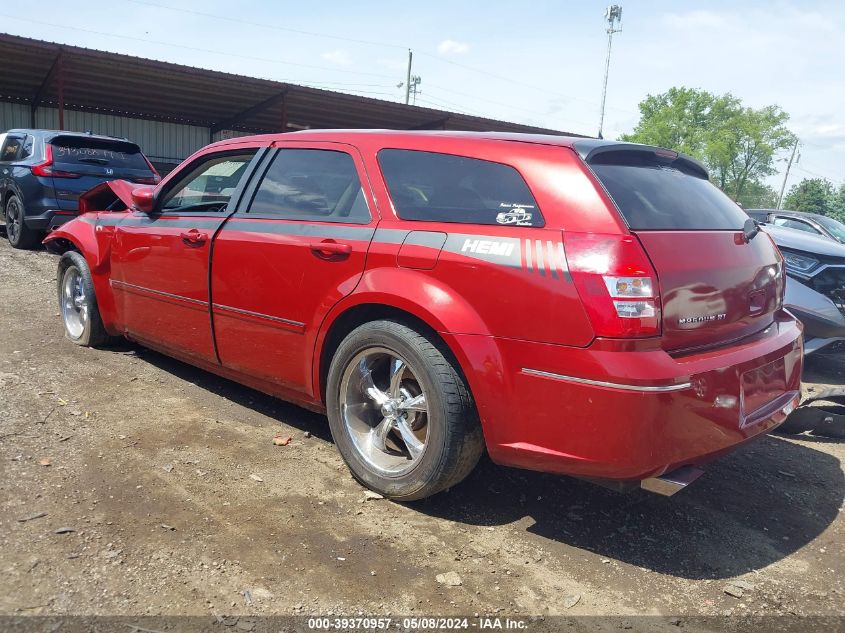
(654, 194)
(435, 187)
(73, 151)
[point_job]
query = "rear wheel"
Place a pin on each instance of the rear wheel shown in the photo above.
(17, 232)
(400, 412)
(78, 303)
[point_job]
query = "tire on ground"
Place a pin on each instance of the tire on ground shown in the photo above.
(454, 442)
(93, 334)
(23, 237)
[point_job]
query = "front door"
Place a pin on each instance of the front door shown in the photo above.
(292, 251)
(160, 260)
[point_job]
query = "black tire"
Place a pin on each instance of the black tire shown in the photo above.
(454, 441)
(17, 232)
(93, 334)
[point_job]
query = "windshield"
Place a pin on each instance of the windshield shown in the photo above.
(834, 227)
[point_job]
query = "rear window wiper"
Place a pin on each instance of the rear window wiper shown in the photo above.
(98, 161)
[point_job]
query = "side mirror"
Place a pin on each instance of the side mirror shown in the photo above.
(142, 199)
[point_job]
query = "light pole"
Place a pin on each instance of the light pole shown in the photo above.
(613, 16)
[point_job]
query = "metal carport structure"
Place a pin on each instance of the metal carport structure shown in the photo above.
(45, 83)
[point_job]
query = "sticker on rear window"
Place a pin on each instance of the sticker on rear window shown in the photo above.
(516, 214)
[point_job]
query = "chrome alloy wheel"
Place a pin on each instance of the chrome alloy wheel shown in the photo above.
(385, 411)
(74, 304)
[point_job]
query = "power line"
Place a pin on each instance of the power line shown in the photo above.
(800, 167)
(265, 26)
(501, 103)
(194, 48)
(437, 58)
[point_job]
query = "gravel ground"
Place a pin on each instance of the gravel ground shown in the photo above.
(132, 484)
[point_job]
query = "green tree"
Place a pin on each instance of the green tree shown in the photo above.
(757, 195)
(839, 204)
(737, 144)
(814, 195)
(680, 119)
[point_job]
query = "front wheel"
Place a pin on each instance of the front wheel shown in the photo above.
(400, 412)
(78, 303)
(17, 232)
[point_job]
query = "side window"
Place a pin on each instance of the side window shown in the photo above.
(208, 186)
(311, 184)
(789, 223)
(11, 149)
(445, 188)
(26, 151)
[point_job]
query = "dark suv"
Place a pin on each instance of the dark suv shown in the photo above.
(42, 173)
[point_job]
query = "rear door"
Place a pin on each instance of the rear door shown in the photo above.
(80, 163)
(295, 247)
(716, 286)
(160, 260)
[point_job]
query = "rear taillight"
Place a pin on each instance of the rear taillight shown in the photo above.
(45, 168)
(616, 282)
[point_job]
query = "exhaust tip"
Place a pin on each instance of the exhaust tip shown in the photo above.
(670, 483)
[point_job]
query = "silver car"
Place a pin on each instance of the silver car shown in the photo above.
(815, 284)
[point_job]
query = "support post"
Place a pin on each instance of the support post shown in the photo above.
(61, 78)
(48, 80)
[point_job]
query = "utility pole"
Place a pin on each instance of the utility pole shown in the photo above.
(408, 78)
(786, 175)
(613, 15)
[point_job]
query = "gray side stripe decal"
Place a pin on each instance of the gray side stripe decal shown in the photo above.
(504, 251)
(360, 233)
(431, 239)
(149, 221)
(390, 236)
(541, 257)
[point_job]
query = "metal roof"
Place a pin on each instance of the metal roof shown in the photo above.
(111, 83)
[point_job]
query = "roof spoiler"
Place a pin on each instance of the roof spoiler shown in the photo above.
(589, 149)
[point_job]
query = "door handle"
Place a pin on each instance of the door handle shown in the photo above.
(194, 237)
(329, 249)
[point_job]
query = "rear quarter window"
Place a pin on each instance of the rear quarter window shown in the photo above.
(73, 151)
(433, 187)
(654, 194)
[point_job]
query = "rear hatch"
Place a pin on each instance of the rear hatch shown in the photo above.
(716, 286)
(85, 162)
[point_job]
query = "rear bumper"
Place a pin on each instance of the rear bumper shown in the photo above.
(50, 219)
(635, 414)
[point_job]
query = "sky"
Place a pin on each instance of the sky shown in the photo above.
(538, 62)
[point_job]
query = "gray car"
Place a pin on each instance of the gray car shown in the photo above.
(812, 223)
(815, 284)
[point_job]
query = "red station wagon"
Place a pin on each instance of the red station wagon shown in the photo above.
(575, 306)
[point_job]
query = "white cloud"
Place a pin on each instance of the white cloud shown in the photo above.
(452, 47)
(339, 57)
